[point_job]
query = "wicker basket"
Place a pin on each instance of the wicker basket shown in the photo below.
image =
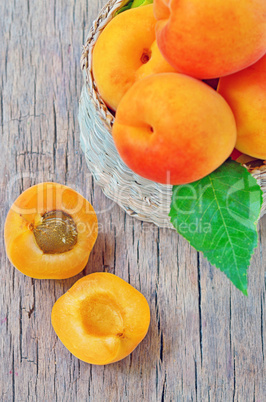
(139, 197)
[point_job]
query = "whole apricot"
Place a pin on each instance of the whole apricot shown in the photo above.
(211, 38)
(173, 129)
(125, 52)
(50, 231)
(245, 92)
(101, 319)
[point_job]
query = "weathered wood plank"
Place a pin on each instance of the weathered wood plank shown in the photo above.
(206, 341)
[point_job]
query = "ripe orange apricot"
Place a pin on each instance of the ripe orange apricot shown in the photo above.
(173, 129)
(211, 38)
(245, 92)
(101, 319)
(50, 231)
(125, 52)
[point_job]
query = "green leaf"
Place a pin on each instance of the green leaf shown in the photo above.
(133, 4)
(126, 6)
(218, 216)
(137, 3)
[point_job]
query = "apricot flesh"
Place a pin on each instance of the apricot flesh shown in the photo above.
(125, 52)
(101, 319)
(245, 92)
(50, 231)
(211, 38)
(173, 129)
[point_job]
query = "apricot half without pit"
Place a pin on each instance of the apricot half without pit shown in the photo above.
(50, 231)
(101, 319)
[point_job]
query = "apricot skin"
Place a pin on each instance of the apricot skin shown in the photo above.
(26, 214)
(173, 129)
(245, 92)
(211, 38)
(101, 319)
(125, 52)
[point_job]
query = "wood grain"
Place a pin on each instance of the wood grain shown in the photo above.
(206, 341)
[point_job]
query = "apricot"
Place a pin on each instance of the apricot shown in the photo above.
(50, 231)
(173, 129)
(101, 319)
(208, 39)
(245, 92)
(125, 52)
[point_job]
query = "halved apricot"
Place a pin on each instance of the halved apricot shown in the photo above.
(50, 231)
(101, 319)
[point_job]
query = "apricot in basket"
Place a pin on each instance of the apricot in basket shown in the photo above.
(173, 136)
(101, 319)
(245, 92)
(209, 39)
(50, 231)
(125, 52)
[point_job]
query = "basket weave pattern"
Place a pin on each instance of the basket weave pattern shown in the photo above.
(139, 197)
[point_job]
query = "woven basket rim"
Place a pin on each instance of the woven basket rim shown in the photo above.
(258, 168)
(105, 15)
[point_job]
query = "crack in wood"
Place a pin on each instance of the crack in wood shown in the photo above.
(196, 380)
(26, 117)
(161, 348)
(28, 360)
(115, 245)
(199, 304)
(2, 107)
(261, 328)
(37, 358)
(133, 233)
(31, 310)
(163, 390)
(128, 271)
(157, 311)
(20, 327)
(55, 136)
(234, 384)
(13, 378)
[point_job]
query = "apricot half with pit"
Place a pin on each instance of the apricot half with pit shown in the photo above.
(50, 231)
(101, 319)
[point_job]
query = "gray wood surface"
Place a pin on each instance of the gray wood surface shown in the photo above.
(206, 341)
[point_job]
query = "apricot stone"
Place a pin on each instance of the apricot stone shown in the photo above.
(50, 231)
(173, 129)
(211, 38)
(101, 319)
(245, 92)
(125, 52)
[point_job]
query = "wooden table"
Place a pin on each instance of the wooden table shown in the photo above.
(206, 341)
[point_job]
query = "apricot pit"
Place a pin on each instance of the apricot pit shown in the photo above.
(57, 233)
